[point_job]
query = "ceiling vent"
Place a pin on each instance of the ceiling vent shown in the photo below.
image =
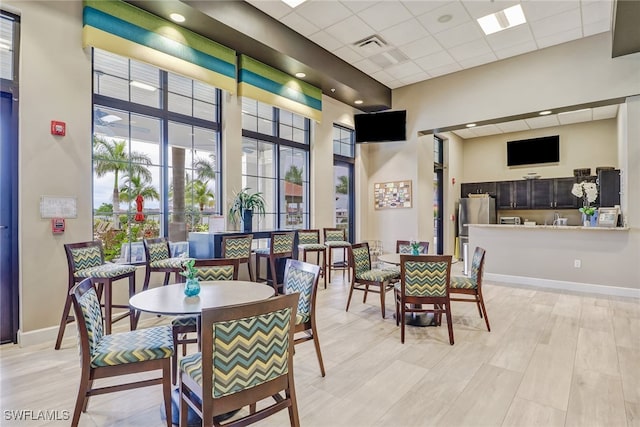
(389, 58)
(370, 45)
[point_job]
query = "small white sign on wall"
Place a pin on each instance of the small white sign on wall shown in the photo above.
(58, 207)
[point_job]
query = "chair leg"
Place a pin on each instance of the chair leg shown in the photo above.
(382, 297)
(250, 270)
(167, 275)
(330, 264)
(166, 392)
(184, 408)
(133, 322)
(82, 395)
(107, 308)
(397, 299)
(350, 294)
(402, 317)
(484, 310)
(147, 279)
(316, 343)
(449, 322)
(63, 321)
(274, 275)
(174, 358)
(324, 265)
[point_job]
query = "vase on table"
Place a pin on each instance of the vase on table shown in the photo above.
(192, 287)
(247, 220)
(586, 220)
(415, 251)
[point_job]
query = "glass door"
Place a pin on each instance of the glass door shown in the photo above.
(344, 212)
(438, 195)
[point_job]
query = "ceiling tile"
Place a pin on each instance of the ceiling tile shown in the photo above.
(578, 116)
(486, 130)
(299, 24)
(470, 50)
(348, 54)
(514, 126)
(350, 30)
(516, 50)
(458, 35)
(596, 11)
(394, 84)
(596, 27)
(421, 48)
(478, 9)
(384, 15)
(323, 13)
(325, 40)
(419, 77)
(542, 121)
(366, 66)
(405, 69)
(458, 14)
(357, 5)
(558, 38)
(404, 32)
(275, 8)
(464, 133)
(510, 37)
(383, 76)
(418, 8)
(556, 24)
(444, 69)
(536, 10)
(478, 60)
(606, 112)
(434, 61)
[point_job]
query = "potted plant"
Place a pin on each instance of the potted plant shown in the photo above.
(244, 205)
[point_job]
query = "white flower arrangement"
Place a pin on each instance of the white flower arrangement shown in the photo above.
(588, 192)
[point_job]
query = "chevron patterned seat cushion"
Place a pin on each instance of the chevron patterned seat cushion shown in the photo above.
(377, 275)
(461, 282)
(135, 346)
(246, 353)
(105, 271)
(185, 321)
(312, 247)
(169, 263)
(337, 244)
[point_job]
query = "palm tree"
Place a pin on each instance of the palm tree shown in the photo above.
(206, 168)
(294, 175)
(112, 156)
(343, 186)
(201, 193)
(136, 184)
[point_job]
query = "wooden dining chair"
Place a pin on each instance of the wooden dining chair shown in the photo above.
(366, 279)
(158, 259)
(309, 242)
(86, 260)
(404, 247)
(126, 353)
(336, 238)
(247, 356)
(302, 277)
(206, 270)
(238, 247)
(281, 246)
(424, 281)
(472, 285)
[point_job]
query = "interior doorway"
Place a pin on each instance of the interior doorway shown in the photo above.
(438, 196)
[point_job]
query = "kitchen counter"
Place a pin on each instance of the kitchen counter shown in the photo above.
(548, 227)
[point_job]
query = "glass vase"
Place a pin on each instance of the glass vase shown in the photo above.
(586, 220)
(415, 251)
(192, 287)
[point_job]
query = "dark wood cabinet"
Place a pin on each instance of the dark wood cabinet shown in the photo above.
(609, 187)
(478, 188)
(542, 196)
(563, 198)
(513, 194)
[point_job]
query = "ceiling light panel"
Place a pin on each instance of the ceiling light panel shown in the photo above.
(501, 20)
(578, 116)
(293, 3)
(542, 121)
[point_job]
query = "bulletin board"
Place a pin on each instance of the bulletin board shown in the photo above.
(58, 207)
(392, 195)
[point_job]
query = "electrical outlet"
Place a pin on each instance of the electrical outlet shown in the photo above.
(577, 263)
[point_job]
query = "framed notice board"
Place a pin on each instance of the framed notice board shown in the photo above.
(392, 195)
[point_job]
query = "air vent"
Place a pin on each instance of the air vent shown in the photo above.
(389, 58)
(371, 45)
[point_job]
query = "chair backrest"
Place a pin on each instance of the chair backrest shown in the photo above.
(84, 255)
(302, 277)
(425, 275)
(360, 258)
(334, 234)
(282, 243)
(216, 269)
(88, 315)
(237, 247)
(404, 247)
(308, 237)
(246, 345)
(156, 249)
(477, 265)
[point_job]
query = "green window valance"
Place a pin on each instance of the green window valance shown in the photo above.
(266, 84)
(126, 30)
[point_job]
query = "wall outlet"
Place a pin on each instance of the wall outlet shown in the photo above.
(577, 263)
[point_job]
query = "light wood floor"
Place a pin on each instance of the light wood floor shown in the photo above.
(551, 359)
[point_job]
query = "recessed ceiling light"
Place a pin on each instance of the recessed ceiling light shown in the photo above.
(358, 101)
(176, 17)
(507, 18)
(470, 125)
(141, 85)
(444, 18)
(293, 3)
(333, 89)
(545, 113)
(301, 75)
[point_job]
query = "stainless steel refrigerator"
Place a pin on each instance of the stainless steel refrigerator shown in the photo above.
(473, 210)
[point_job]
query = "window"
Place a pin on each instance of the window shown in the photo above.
(275, 162)
(156, 135)
(343, 142)
(343, 170)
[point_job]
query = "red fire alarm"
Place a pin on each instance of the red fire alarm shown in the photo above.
(58, 128)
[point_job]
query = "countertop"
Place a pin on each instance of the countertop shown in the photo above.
(548, 227)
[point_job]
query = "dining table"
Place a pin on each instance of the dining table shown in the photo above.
(414, 319)
(170, 300)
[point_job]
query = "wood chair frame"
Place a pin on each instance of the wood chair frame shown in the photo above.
(323, 252)
(477, 292)
(271, 263)
(345, 255)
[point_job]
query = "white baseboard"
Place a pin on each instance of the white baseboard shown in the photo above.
(563, 285)
(41, 336)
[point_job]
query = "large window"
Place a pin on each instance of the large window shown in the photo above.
(156, 155)
(343, 161)
(275, 162)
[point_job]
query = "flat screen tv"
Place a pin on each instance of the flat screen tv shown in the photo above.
(381, 127)
(533, 151)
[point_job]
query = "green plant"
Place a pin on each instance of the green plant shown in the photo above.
(189, 270)
(243, 201)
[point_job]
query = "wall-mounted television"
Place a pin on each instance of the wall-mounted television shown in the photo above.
(381, 127)
(533, 151)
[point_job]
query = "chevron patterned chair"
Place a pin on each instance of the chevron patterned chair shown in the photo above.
(302, 277)
(106, 356)
(366, 279)
(472, 285)
(86, 260)
(281, 246)
(247, 356)
(158, 259)
(238, 247)
(336, 238)
(206, 270)
(309, 241)
(424, 279)
(404, 247)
